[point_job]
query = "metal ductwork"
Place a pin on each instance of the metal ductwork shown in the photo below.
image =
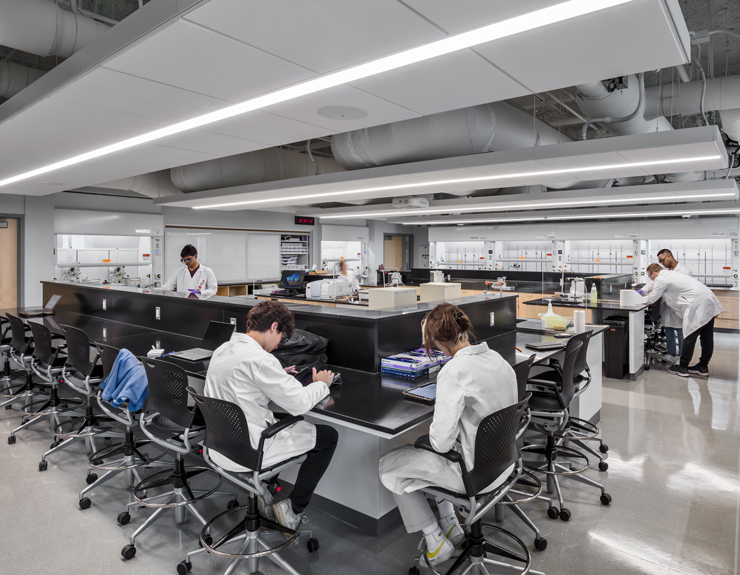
(250, 168)
(43, 28)
(15, 77)
(153, 185)
(474, 130)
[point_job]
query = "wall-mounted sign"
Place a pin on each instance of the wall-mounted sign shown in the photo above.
(143, 231)
(305, 221)
(717, 234)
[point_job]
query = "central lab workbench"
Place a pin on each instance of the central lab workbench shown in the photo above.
(368, 409)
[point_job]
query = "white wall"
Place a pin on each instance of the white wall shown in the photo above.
(37, 251)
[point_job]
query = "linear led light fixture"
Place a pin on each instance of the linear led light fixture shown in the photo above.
(525, 22)
(533, 205)
(693, 212)
(461, 181)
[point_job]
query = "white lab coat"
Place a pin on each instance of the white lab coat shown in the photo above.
(689, 298)
(350, 277)
(204, 280)
(670, 318)
(471, 386)
(242, 372)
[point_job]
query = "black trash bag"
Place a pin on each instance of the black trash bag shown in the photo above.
(304, 350)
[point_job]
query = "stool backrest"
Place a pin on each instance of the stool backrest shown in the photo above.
(78, 350)
(522, 375)
(108, 355)
(168, 394)
(42, 348)
(227, 431)
(568, 388)
(18, 342)
(581, 364)
(495, 448)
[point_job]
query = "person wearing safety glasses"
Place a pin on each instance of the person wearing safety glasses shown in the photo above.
(194, 279)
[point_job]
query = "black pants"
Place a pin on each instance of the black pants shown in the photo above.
(312, 470)
(706, 335)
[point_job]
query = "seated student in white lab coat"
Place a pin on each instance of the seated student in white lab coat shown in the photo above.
(672, 321)
(244, 372)
(194, 279)
(475, 383)
(698, 307)
(349, 275)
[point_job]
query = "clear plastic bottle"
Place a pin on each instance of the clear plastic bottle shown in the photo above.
(594, 294)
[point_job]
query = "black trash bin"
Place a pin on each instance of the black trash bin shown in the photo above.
(616, 346)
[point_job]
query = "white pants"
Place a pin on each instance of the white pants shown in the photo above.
(415, 510)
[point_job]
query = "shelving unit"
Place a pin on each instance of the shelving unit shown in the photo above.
(294, 251)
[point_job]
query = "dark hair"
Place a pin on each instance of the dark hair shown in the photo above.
(188, 251)
(654, 268)
(446, 324)
(265, 313)
(667, 252)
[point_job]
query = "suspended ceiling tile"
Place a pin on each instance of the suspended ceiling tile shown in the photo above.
(464, 15)
(267, 128)
(446, 83)
(210, 143)
(194, 58)
(51, 144)
(125, 94)
(150, 158)
(306, 109)
(321, 36)
(70, 116)
(592, 47)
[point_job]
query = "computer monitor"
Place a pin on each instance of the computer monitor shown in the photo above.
(292, 279)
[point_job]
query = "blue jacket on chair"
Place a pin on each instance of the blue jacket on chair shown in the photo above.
(127, 382)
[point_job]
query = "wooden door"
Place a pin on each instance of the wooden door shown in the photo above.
(393, 253)
(9, 264)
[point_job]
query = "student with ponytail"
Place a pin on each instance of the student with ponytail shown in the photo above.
(475, 383)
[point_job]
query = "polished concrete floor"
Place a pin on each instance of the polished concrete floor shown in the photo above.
(673, 471)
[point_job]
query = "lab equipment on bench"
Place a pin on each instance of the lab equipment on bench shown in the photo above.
(328, 290)
(391, 297)
(439, 291)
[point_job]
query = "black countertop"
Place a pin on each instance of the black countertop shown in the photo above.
(601, 304)
(370, 400)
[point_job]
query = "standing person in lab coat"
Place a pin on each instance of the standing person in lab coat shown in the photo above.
(475, 383)
(349, 275)
(672, 321)
(244, 372)
(698, 307)
(195, 279)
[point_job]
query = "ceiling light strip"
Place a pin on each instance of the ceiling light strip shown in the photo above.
(461, 181)
(576, 217)
(533, 205)
(497, 31)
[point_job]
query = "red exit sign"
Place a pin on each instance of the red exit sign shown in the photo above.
(304, 221)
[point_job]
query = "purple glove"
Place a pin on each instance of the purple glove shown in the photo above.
(194, 290)
(640, 292)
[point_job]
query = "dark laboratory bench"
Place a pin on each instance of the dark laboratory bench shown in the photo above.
(600, 304)
(370, 400)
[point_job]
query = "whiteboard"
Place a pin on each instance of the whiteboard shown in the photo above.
(232, 255)
(263, 256)
(225, 252)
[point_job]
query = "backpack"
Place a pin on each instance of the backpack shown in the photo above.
(304, 350)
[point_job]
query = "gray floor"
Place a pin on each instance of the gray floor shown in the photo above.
(674, 462)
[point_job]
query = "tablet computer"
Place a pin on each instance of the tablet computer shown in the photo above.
(426, 392)
(545, 346)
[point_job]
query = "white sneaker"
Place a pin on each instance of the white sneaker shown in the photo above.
(452, 530)
(265, 509)
(440, 554)
(285, 516)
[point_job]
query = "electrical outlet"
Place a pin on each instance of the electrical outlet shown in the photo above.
(492, 319)
(157, 314)
(233, 321)
(105, 305)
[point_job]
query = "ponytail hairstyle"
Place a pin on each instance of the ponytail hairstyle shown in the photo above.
(446, 324)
